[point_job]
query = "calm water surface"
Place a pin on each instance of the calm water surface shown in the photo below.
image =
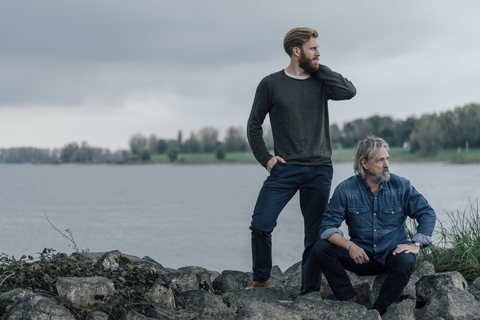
(178, 215)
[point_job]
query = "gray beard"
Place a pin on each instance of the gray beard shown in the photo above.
(379, 177)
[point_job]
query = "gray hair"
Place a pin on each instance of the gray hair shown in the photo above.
(367, 149)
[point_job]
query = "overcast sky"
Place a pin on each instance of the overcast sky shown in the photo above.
(100, 71)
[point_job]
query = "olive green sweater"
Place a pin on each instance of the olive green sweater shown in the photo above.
(298, 112)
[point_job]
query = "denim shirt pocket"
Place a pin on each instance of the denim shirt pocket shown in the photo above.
(358, 217)
(393, 216)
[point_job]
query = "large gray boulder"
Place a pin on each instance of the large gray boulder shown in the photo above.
(240, 298)
(428, 285)
(97, 315)
(10, 298)
(450, 303)
(310, 309)
(199, 300)
(403, 310)
(230, 280)
(38, 307)
(180, 281)
(424, 269)
(161, 295)
(258, 310)
(82, 291)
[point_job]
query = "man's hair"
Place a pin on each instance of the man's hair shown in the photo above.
(297, 37)
(367, 149)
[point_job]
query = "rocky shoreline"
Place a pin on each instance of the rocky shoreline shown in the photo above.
(197, 293)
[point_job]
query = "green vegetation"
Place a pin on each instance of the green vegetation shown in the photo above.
(39, 275)
(456, 245)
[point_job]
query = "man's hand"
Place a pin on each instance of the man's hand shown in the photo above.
(407, 248)
(358, 254)
(272, 162)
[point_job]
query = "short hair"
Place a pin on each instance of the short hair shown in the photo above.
(368, 149)
(297, 37)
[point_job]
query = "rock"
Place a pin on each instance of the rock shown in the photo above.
(403, 310)
(409, 292)
(10, 298)
(180, 281)
(83, 291)
(258, 310)
(450, 302)
(476, 283)
(424, 269)
(230, 280)
(310, 309)
(428, 285)
(38, 307)
(97, 315)
(161, 295)
(133, 315)
(241, 297)
(199, 300)
(215, 314)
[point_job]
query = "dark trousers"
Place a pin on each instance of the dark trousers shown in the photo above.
(281, 185)
(334, 260)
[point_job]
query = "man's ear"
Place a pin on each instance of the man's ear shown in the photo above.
(364, 163)
(296, 51)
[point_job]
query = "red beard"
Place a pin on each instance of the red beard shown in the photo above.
(308, 65)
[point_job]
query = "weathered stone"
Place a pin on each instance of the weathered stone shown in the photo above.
(424, 269)
(97, 315)
(88, 256)
(161, 314)
(403, 310)
(293, 280)
(242, 297)
(10, 298)
(82, 291)
(450, 303)
(115, 259)
(428, 285)
(310, 309)
(182, 281)
(476, 283)
(199, 300)
(257, 310)
(230, 280)
(161, 295)
(133, 315)
(216, 314)
(38, 307)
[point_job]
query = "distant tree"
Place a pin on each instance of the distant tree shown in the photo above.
(336, 135)
(28, 154)
(208, 139)
(425, 140)
(179, 140)
(173, 151)
(161, 146)
(192, 145)
(221, 152)
(268, 136)
(235, 140)
(74, 153)
(145, 155)
(153, 144)
(137, 144)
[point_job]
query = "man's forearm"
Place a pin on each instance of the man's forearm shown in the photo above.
(339, 240)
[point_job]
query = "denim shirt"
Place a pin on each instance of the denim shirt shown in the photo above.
(377, 223)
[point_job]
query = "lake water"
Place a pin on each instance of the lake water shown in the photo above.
(179, 215)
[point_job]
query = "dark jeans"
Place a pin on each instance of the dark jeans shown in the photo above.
(281, 185)
(334, 260)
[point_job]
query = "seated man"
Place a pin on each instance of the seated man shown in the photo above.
(375, 205)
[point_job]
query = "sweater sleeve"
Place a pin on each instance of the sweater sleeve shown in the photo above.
(339, 88)
(260, 108)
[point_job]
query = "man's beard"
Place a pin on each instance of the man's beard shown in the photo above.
(379, 177)
(308, 65)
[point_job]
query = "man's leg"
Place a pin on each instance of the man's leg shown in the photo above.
(399, 269)
(314, 195)
(277, 190)
(334, 260)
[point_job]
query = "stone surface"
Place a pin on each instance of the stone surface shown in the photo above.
(450, 302)
(12, 297)
(241, 297)
(180, 281)
(258, 310)
(199, 299)
(424, 269)
(428, 285)
(38, 307)
(403, 310)
(97, 315)
(230, 280)
(82, 291)
(161, 295)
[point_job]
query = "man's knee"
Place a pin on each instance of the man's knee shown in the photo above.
(322, 249)
(404, 263)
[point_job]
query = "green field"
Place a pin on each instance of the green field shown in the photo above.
(344, 155)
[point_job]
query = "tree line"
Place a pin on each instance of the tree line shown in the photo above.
(423, 136)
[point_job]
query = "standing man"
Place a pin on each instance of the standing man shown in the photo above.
(296, 100)
(375, 205)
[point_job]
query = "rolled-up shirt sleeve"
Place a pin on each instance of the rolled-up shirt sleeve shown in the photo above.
(333, 215)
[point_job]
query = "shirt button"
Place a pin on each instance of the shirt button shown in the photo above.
(374, 245)
(375, 230)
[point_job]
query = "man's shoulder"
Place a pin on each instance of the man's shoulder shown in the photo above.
(348, 183)
(395, 179)
(274, 76)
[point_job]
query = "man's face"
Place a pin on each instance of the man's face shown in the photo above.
(378, 169)
(309, 56)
